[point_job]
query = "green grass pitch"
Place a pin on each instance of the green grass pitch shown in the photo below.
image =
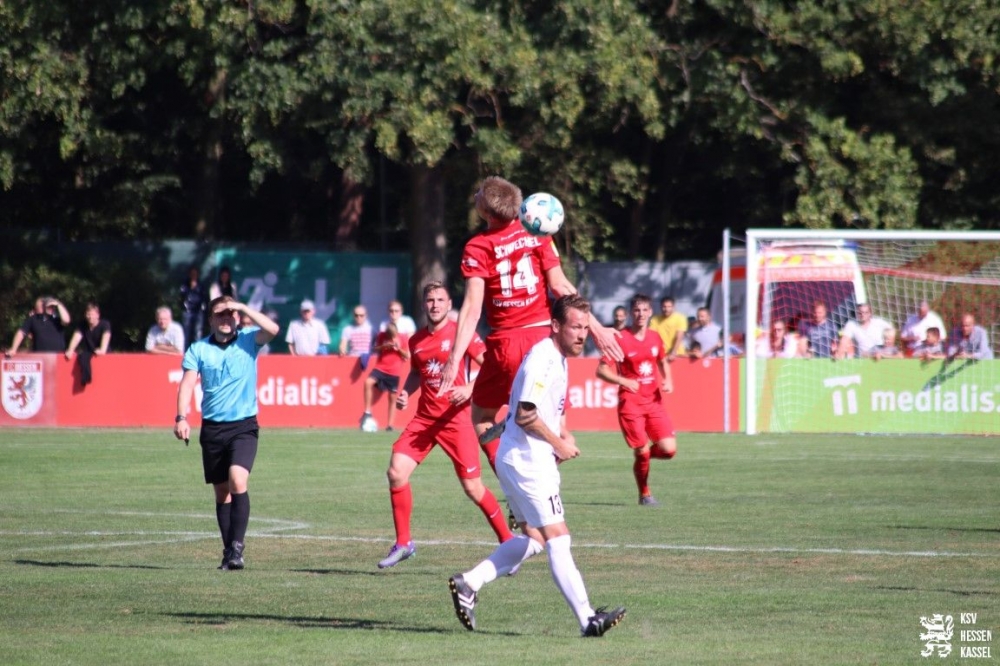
(766, 550)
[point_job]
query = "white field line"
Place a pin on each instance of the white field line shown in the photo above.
(280, 526)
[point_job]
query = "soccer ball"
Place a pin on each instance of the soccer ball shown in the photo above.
(370, 425)
(542, 214)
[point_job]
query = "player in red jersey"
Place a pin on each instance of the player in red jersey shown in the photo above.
(391, 356)
(510, 273)
(641, 414)
(440, 419)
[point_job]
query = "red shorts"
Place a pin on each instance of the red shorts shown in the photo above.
(651, 425)
(458, 440)
(504, 352)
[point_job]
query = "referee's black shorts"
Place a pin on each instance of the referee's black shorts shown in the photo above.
(227, 443)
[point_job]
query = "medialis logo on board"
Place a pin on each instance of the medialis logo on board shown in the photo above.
(960, 398)
(298, 392)
(593, 393)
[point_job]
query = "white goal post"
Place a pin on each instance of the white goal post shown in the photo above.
(828, 379)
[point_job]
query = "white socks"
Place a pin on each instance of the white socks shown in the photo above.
(507, 555)
(568, 578)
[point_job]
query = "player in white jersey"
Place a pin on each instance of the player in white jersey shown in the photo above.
(534, 443)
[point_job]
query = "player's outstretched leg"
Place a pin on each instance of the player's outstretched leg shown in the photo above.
(464, 598)
(602, 620)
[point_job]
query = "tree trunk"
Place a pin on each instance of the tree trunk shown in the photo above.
(208, 192)
(350, 203)
(428, 240)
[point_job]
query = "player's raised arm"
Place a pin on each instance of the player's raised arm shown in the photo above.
(268, 327)
(605, 338)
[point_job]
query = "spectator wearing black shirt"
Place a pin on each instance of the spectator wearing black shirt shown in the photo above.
(194, 298)
(44, 327)
(92, 337)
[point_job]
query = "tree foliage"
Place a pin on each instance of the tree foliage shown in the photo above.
(657, 122)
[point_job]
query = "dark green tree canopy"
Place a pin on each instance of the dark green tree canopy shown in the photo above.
(315, 120)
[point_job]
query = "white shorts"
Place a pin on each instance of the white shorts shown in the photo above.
(533, 498)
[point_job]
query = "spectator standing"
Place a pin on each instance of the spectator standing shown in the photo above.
(92, 337)
(619, 318)
(439, 421)
(229, 429)
(194, 298)
(705, 337)
(533, 444)
(781, 343)
(915, 329)
(223, 286)
(642, 379)
(356, 338)
(672, 327)
(391, 354)
(308, 336)
(818, 336)
(404, 323)
(43, 327)
(165, 336)
(860, 338)
(973, 342)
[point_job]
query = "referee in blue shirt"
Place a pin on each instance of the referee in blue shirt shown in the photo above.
(227, 363)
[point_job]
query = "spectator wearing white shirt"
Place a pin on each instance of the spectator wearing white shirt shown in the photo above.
(705, 337)
(860, 338)
(166, 336)
(781, 343)
(307, 336)
(915, 329)
(356, 338)
(404, 323)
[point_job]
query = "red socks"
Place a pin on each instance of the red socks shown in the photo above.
(495, 516)
(640, 468)
(402, 508)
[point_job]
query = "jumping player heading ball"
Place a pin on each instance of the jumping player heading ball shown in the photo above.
(510, 273)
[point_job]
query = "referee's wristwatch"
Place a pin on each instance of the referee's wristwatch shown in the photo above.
(179, 418)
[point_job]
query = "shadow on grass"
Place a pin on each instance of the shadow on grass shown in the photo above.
(923, 590)
(988, 530)
(376, 573)
(83, 565)
(306, 622)
(344, 572)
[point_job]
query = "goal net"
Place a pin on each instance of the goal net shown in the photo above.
(827, 308)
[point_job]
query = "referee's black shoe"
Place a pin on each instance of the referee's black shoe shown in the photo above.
(235, 556)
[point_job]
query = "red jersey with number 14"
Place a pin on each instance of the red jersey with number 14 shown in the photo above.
(641, 363)
(428, 354)
(512, 264)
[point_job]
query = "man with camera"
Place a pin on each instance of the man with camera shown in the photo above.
(44, 327)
